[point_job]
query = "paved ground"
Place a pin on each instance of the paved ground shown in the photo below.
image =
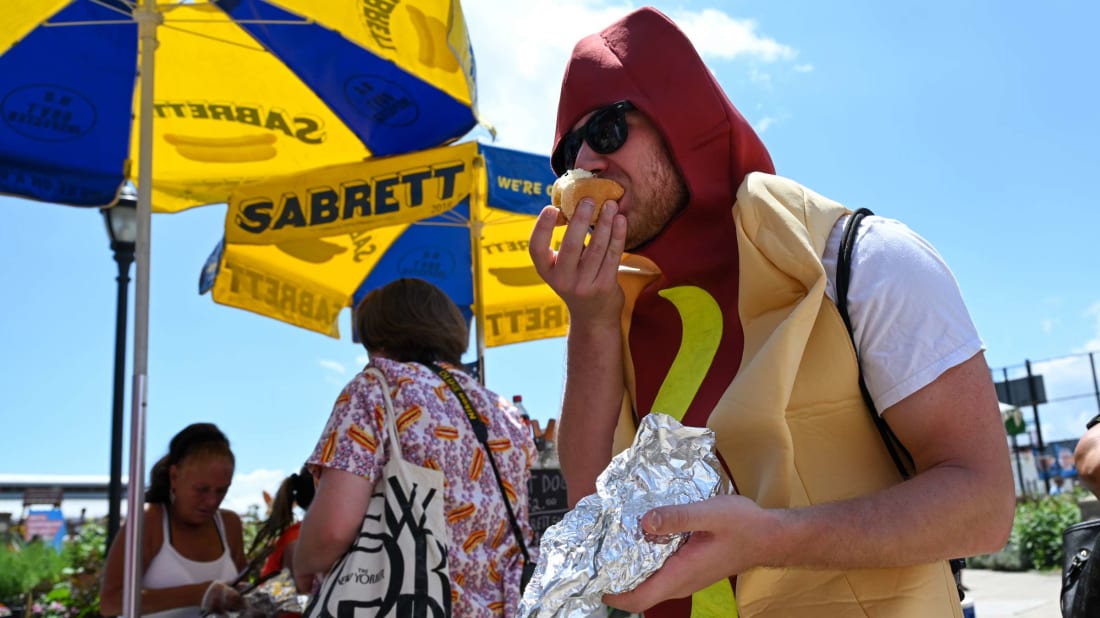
(1001, 594)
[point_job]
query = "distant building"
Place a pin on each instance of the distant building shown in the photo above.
(77, 495)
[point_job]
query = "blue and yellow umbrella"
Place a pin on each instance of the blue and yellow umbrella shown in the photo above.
(302, 248)
(243, 90)
(191, 99)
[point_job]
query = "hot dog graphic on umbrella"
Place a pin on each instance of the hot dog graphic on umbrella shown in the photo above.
(234, 149)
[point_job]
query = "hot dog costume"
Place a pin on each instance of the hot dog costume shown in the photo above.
(727, 324)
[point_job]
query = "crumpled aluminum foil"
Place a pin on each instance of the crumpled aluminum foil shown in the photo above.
(599, 547)
(272, 597)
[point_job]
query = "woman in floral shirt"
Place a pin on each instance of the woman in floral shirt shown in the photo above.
(405, 326)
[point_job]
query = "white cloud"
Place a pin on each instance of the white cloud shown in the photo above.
(248, 489)
(333, 366)
(717, 35)
(1068, 386)
(1046, 325)
(1062, 374)
(762, 125)
(521, 50)
(803, 68)
(1094, 343)
(519, 67)
(760, 77)
(335, 372)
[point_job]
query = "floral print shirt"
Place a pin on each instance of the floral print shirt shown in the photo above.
(485, 562)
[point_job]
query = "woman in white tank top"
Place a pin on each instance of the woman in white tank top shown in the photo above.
(189, 543)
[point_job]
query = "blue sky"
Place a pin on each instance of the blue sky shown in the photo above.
(974, 122)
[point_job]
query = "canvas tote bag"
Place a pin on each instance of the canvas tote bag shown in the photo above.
(397, 565)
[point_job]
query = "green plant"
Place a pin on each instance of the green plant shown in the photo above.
(1040, 524)
(26, 570)
(1036, 538)
(77, 594)
(250, 523)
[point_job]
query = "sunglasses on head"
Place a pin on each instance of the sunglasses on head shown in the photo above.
(605, 132)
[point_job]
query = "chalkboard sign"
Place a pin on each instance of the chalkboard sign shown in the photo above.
(548, 502)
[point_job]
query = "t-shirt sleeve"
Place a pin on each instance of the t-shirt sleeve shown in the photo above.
(908, 316)
(353, 438)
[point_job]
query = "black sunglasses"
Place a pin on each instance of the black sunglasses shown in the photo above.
(605, 132)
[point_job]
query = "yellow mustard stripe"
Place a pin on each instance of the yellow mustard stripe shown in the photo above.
(714, 601)
(701, 326)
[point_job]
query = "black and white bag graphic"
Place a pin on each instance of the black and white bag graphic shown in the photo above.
(397, 565)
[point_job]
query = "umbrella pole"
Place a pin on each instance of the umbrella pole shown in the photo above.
(148, 19)
(477, 201)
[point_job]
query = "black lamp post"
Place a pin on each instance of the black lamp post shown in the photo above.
(121, 219)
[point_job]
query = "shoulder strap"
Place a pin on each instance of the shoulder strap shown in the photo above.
(390, 420)
(220, 525)
(843, 277)
(893, 445)
(166, 524)
(482, 434)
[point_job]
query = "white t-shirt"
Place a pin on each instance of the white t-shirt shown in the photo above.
(908, 316)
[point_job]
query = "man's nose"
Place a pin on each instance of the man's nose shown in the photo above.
(589, 159)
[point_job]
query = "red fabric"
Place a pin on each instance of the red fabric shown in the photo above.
(645, 59)
(274, 561)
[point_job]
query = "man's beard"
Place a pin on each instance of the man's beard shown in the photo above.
(662, 197)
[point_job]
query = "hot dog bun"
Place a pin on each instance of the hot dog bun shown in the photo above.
(575, 185)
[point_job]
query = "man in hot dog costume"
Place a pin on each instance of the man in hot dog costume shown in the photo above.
(708, 291)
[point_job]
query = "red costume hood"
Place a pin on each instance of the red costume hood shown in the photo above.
(645, 59)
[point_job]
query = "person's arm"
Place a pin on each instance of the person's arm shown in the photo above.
(590, 406)
(1087, 459)
(961, 502)
(110, 591)
(331, 523)
(586, 278)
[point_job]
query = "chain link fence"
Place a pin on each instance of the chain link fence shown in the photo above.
(1046, 404)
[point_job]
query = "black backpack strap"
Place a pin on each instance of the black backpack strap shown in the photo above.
(843, 277)
(893, 445)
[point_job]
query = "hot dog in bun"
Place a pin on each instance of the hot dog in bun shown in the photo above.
(577, 184)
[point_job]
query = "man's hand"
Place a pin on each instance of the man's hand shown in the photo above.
(587, 280)
(584, 276)
(729, 534)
